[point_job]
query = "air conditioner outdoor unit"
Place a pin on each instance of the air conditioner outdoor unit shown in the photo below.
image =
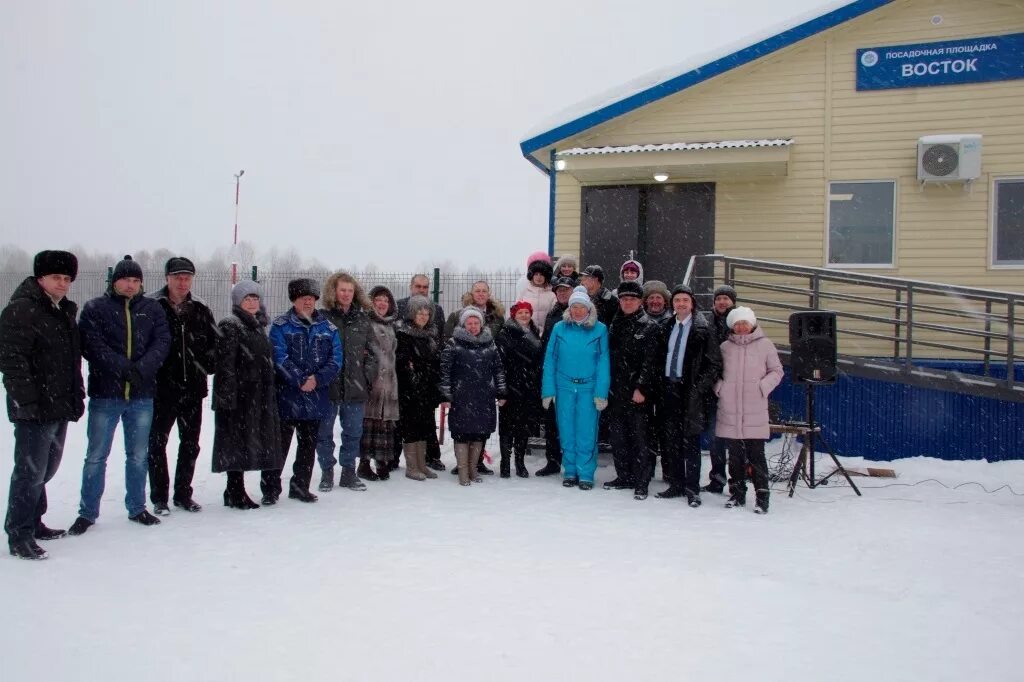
(949, 158)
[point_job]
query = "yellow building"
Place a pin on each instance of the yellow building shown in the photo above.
(803, 147)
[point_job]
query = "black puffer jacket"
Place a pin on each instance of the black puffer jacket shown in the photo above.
(472, 378)
(247, 434)
(522, 358)
(41, 356)
(633, 344)
(418, 365)
(193, 352)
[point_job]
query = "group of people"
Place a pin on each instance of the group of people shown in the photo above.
(637, 367)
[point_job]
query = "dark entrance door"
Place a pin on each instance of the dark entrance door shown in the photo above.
(662, 225)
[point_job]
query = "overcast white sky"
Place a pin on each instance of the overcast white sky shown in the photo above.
(376, 132)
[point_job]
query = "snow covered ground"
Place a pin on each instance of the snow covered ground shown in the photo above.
(522, 579)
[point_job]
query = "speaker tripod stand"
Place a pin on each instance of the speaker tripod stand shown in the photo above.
(811, 434)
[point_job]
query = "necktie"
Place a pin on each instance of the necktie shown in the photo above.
(674, 371)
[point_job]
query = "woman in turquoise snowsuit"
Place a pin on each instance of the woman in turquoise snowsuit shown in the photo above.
(577, 378)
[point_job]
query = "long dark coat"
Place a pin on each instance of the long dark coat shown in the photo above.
(247, 433)
(472, 378)
(40, 356)
(418, 364)
(522, 357)
(193, 349)
(702, 367)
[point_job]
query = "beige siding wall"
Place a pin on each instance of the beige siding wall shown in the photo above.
(808, 92)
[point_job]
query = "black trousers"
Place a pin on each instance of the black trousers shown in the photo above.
(742, 453)
(187, 412)
(38, 448)
(433, 447)
(718, 447)
(513, 431)
(552, 446)
(306, 431)
(680, 458)
(628, 426)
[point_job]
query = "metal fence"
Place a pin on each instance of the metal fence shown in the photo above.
(215, 288)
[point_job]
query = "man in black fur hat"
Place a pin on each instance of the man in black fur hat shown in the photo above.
(40, 357)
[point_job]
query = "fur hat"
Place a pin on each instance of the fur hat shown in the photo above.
(178, 265)
(469, 312)
(683, 289)
(538, 257)
(656, 286)
(566, 260)
(55, 263)
(581, 297)
(521, 305)
(416, 304)
(303, 287)
(726, 290)
(740, 314)
(630, 289)
(126, 268)
(245, 287)
(541, 267)
(595, 271)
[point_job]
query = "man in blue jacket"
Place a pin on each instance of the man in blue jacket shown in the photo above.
(307, 357)
(125, 338)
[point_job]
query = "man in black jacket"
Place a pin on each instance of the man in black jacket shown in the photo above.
(604, 300)
(690, 363)
(633, 344)
(180, 387)
(40, 357)
(420, 286)
(562, 287)
(724, 300)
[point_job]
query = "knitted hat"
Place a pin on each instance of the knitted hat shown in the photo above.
(595, 271)
(683, 289)
(630, 289)
(303, 287)
(55, 263)
(727, 291)
(416, 304)
(655, 286)
(566, 260)
(521, 305)
(179, 265)
(468, 312)
(740, 314)
(244, 288)
(581, 297)
(126, 268)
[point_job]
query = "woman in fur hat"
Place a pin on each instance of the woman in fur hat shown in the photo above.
(381, 415)
(417, 362)
(472, 379)
(522, 355)
(537, 291)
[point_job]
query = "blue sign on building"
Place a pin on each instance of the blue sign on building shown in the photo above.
(951, 62)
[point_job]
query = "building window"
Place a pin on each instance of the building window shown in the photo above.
(1008, 223)
(861, 223)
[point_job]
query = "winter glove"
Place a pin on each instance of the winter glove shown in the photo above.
(134, 376)
(547, 402)
(600, 404)
(26, 413)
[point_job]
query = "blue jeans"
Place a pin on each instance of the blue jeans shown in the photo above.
(104, 413)
(351, 414)
(38, 447)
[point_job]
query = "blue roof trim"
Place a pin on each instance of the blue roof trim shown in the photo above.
(701, 74)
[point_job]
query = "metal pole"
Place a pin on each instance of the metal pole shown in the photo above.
(234, 243)
(437, 284)
(810, 433)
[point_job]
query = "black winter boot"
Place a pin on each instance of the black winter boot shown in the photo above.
(26, 549)
(761, 505)
(44, 533)
(549, 469)
(521, 470)
(505, 465)
(79, 526)
(364, 470)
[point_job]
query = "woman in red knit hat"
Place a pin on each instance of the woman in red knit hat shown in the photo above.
(519, 348)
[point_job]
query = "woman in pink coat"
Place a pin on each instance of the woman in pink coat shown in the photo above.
(751, 371)
(538, 287)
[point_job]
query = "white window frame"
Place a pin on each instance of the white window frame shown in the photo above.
(992, 231)
(891, 265)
